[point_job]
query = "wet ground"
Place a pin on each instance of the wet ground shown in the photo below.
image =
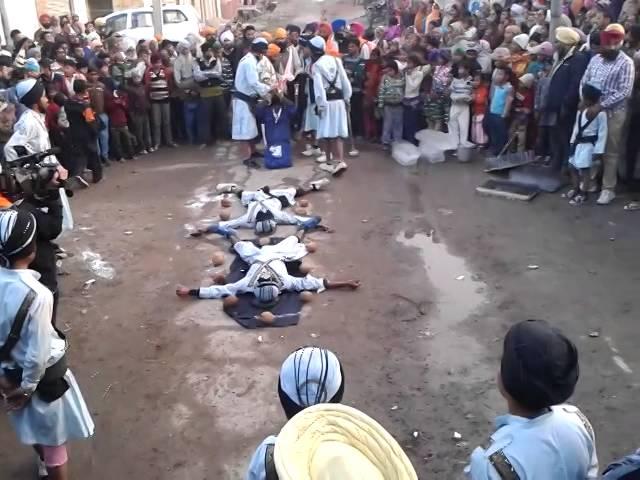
(179, 391)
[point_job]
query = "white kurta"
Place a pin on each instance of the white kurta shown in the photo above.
(244, 125)
(259, 201)
(584, 152)
(333, 121)
(39, 347)
(288, 250)
(257, 470)
(31, 133)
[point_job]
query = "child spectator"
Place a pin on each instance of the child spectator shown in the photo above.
(588, 143)
(544, 119)
(277, 119)
(479, 106)
(522, 109)
(540, 56)
(354, 66)
(437, 105)
(412, 101)
(390, 97)
(139, 109)
(501, 98)
(96, 90)
(461, 90)
(119, 69)
(117, 106)
(373, 76)
(211, 72)
(57, 124)
(83, 134)
(157, 81)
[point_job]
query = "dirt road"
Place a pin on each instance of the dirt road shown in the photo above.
(179, 391)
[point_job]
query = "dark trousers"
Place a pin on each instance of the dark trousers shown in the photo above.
(85, 155)
(560, 137)
(141, 129)
(190, 111)
(543, 141)
(121, 143)
(357, 116)
(632, 150)
(412, 111)
(212, 119)
(497, 131)
(178, 131)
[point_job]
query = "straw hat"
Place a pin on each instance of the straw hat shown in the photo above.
(337, 442)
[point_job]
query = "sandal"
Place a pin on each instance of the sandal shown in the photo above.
(570, 194)
(632, 206)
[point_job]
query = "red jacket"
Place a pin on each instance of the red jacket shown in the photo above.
(117, 107)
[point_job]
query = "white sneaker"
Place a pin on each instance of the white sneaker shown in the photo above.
(339, 168)
(226, 187)
(311, 151)
(320, 184)
(327, 167)
(322, 158)
(606, 197)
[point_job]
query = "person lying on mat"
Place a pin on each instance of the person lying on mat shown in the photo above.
(267, 276)
(308, 376)
(266, 209)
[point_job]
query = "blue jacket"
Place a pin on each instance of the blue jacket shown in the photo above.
(564, 89)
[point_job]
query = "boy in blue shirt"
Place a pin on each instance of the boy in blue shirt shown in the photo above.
(500, 100)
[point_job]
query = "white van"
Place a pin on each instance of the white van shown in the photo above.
(177, 22)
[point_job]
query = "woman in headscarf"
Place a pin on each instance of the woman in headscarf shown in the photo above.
(308, 376)
(45, 405)
(538, 374)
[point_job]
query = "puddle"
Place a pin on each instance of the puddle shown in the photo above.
(178, 166)
(458, 296)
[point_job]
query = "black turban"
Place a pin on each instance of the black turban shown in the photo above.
(539, 365)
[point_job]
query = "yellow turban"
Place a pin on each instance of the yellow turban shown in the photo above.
(280, 34)
(266, 35)
(567, 35)
(336, 441)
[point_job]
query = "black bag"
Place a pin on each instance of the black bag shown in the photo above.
(52, 385)
(334, 93)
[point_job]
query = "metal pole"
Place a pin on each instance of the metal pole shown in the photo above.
(157, 17)
(556, 12)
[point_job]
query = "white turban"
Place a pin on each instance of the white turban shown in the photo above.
(227, 36)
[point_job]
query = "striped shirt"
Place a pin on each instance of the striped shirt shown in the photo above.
(158, 86)
(614, 78)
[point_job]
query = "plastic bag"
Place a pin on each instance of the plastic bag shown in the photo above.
(405, 153)
(67, 216)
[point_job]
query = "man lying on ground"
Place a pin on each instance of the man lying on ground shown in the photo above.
(267, 276)
(266, 209)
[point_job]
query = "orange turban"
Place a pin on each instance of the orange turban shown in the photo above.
(273, 50)
(266, 35)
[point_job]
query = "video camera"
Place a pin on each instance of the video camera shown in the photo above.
(29, 174)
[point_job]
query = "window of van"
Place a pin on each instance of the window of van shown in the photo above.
(141, 20)
(117, 23)
(173, 16)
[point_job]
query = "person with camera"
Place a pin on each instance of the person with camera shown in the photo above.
(44, 403)
(41, 197)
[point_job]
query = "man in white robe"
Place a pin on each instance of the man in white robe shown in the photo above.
(247, 90)
(332, 92)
